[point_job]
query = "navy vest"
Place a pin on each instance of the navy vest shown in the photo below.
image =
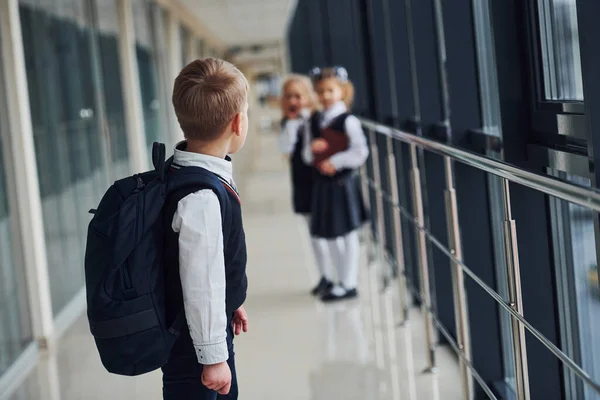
(234, 243)
(338, 124)
(302, 175)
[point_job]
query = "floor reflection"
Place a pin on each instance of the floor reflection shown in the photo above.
(346, 371)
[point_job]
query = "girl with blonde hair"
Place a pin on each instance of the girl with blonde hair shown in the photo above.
(298, 103)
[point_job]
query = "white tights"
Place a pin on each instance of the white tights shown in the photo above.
(345, 254)
(320, 249)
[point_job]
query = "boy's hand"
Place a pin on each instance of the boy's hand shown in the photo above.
(217, 377)
(240, 321)
(327, 168)
(319, 146)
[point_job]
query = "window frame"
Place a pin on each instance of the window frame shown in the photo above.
(553, 122)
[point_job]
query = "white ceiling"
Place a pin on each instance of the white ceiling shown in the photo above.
(238, 22)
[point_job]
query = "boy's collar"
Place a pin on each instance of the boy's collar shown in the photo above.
(219, 166)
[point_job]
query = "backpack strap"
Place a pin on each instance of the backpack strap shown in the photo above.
(199, 178)
(184, 181)
(158, 159)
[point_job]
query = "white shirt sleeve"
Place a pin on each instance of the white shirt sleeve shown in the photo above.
(202, 273)
(307, 154)
(289, 135)
(357, 152)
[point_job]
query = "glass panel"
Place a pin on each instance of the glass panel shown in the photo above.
(147, 58)
(492, 125)
(486, 61)
(184, 37)
(108, 46)
(70, 150)
(560, 50)
(577, 285)
(15, 323)
(201, 48)
(497, 221)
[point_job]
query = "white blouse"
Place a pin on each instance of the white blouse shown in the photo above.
(202, 260)
(357, 152)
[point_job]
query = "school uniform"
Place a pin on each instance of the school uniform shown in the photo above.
(338, 208)
(292, 141)
(205, 275)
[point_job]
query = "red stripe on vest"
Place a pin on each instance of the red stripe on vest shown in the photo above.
(232, 192)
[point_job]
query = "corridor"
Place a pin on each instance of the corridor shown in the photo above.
(296, 348)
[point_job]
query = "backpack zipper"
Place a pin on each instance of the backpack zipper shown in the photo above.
(126, 280)
(125, 277)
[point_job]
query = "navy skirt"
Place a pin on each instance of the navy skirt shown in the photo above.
(338, 207)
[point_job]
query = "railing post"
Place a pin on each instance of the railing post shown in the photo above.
(374, 293)
(402, 285)
(515, 296)
(461, 314)
(419, 214)
(381, 236)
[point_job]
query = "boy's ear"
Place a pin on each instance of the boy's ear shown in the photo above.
(236, 124)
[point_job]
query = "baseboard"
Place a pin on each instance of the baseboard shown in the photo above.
(18, 371)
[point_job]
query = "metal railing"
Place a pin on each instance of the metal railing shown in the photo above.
(564, 190)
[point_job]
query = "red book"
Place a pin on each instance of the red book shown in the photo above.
(337, 141)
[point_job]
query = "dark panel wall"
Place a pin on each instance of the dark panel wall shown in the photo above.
(373, 39)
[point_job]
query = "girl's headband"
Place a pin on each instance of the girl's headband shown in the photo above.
(341, 73)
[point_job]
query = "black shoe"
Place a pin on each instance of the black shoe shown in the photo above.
(324, 286)
(335, 295)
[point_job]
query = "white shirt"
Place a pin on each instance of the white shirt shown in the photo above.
(288, 137)
(202, 260)
(357, 152)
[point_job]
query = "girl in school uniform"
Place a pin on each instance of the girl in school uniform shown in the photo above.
(298, 104)
(335, 144)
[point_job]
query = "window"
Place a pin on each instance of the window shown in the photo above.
(15, 326)
(185, 37)
(560, 50)
(148, 59)
(106, 36)
(77, 114)
(577, 284)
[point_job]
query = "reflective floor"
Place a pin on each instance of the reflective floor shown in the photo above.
(296, 348)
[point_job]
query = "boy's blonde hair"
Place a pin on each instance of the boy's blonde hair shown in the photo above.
(207, 94)
(346, 85)
(306, 86)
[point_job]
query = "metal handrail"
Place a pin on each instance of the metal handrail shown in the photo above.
(565, 190)
(574, 193)
(572, 365)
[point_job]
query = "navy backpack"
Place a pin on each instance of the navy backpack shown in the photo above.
(124, 269)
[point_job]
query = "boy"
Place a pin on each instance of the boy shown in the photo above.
(206, 261)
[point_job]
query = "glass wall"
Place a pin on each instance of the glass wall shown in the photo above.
(148, 59)
(201, 48)
(106, 34)
(184, 38)
(577, 285)
(560, 50)
(15, 323)
(77, 115)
